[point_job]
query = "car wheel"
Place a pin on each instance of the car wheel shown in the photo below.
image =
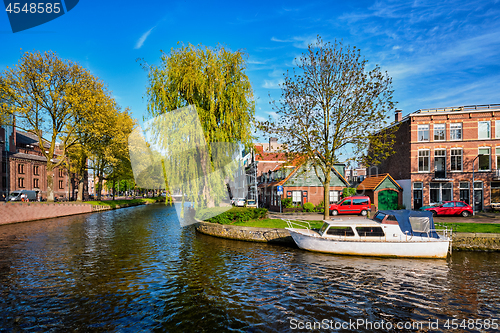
(363, 212)
(465, 213)
(434, 213)
(334, 213)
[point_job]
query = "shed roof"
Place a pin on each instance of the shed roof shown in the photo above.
(371, 183)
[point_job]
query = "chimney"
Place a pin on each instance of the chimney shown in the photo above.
(271, 142)
(398, 116)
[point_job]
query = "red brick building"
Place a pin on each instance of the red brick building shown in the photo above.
(440, 151)
(24, 166)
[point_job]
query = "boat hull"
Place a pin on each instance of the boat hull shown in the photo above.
(413, 248)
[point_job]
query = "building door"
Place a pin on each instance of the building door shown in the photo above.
(417, 198)
(440, 163)
(387, 200)
(478, 196)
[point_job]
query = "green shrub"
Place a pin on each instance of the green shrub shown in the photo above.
(308, 207)
(320, 207)
(348, 191)
(239, 214)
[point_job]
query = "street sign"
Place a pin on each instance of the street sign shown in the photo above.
(280, 189)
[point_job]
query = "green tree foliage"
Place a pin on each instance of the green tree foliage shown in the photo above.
(332, 104)
(50, 97)
(348, 191)
(214, 83)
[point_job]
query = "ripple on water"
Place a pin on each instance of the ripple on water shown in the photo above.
(136, 269)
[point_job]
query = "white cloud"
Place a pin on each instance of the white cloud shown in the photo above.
(143, 38)
(272, 84)
(260, 118)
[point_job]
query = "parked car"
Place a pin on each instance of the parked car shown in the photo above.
(451, 208)
(359, 204)
(16, 195)
(431, 205)
(239, 202)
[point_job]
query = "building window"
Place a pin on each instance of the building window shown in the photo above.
(61, 185)
(4, 166)
(439, 132)
(483, 130)
(20, 182)
(35, 183)
(464, 192)
(297, 197)
(36, 170)
(334, 196)
(495, 192)
(423, 160)
(20, 169)
(484, 160)
(4, 183)
(497, 129)
(456, 131)
(441, 192)
(456, 160)
(423, 132)
(440, 163)
(61, 172)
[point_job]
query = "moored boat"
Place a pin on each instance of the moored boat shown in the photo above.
(398, 233)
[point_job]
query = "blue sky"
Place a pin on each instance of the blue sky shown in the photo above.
(439, 53)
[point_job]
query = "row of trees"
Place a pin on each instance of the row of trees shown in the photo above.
(63, 103)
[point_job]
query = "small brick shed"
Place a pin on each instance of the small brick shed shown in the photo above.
(384, 192)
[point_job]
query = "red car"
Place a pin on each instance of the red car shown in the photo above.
(451, 208)
(359, 204)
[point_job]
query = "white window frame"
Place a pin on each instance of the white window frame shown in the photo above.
(497, 129)
(443, 130)
(489, 166)
(423, 128)
(461, 159)
(333, 195)
(428, 160)
(299, 193)
(454, 127)
(488, 134)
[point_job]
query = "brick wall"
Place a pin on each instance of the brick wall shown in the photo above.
(398, 164)
(23, 212)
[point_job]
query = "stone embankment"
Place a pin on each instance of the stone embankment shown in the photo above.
(465, 241)
(461, 241)
(14, 212)
(250, 234)
(23, 212)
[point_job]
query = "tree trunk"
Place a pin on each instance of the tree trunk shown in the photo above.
(113, 189)
(326, 196)
(80, 189)
(50, 183)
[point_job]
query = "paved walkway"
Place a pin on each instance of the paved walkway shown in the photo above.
(478, 218)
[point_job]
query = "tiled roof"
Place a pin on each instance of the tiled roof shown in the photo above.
(29, 139)
(28, 157)
(260, 155)
(371, 183)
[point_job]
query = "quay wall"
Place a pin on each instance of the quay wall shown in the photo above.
(24, 212)
(466, 241)
(250, 234)
(461, 241)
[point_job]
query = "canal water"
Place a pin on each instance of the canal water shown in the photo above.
(136, 269)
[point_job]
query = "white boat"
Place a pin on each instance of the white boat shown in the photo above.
(398, 233)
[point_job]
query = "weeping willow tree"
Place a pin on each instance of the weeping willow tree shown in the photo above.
(213, 100)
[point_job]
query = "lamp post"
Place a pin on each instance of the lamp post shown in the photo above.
(473, 194)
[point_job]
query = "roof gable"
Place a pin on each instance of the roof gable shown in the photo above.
(372, 183)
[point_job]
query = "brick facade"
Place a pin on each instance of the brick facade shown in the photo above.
(435, 150)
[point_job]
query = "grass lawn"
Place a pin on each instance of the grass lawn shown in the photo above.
(471, 227)
(114, 203)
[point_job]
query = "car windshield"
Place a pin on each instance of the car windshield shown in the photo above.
(14, 194)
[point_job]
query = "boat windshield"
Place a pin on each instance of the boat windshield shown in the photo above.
(323, 228)
(379, 217)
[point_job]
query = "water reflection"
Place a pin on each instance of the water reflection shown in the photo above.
(136, 269)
